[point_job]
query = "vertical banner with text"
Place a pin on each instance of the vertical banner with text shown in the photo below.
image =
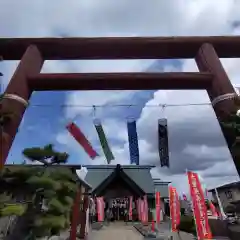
(130, 207)
(158, 207)
(139, 209)
(145, 209)
(142, 214)
(174, 208)
(100, 209)
(199, 207)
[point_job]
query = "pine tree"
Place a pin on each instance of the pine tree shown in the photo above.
(46, 155)
(48, 191)
(232, 124)
(232, 127)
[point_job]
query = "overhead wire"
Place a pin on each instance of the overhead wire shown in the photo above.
(118, 105)
(94, 107)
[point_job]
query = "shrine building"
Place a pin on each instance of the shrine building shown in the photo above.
(116, 183)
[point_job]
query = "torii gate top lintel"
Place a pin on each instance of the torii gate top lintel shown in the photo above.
(119, 47)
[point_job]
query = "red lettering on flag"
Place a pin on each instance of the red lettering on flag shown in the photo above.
(158, 207)
(174, 208)
(199, 207)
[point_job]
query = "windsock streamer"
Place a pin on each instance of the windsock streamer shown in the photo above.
(163, 142)
(104, 143)
(81, 139)
(133, 142)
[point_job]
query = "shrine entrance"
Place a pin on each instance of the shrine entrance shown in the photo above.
(119, 206)
(116, 190)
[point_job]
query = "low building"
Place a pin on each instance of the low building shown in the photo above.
(116, 183)
(229, 194)
(162, 187)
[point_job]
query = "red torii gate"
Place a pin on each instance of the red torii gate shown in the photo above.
(33, 51)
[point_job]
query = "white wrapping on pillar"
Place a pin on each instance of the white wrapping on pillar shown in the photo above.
(227, 96)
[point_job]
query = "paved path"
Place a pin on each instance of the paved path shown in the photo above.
(116, 231)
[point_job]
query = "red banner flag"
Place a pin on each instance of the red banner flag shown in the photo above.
(100, 209)
(174, 208)
(199, 207)
(184, 197)
(213, 209)
(158, 207)
(145, 202)
(139, 209)
(130, 208)
(81, 139)
(142, 210)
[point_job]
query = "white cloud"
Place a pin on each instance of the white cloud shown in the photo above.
(108, 17)
(203, 151)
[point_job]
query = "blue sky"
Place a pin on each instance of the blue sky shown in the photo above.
(192, 145)
(45, 117)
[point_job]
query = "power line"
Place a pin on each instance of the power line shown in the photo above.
(117, 105)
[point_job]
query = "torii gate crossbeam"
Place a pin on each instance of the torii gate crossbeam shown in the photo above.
(34, 51)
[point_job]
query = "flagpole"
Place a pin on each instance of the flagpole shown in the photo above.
(223, 215)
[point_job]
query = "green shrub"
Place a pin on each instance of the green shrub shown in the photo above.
(13, 209)
(55, 206)
(47, 194)
(62, 174)
(68, 200)
(50, 221)
(187, 224)
(43, 182)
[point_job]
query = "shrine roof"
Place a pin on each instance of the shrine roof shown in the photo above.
(122, 166)
(139, 174)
